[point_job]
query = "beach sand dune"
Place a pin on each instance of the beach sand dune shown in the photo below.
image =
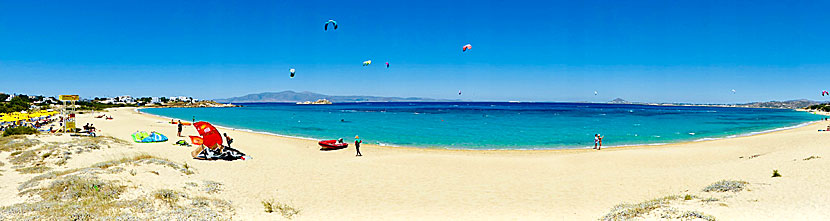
(393, 183)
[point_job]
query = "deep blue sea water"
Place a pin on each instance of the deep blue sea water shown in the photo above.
(485, 125)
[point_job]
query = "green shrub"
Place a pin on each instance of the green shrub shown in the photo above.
(19, 131)
(775, 173)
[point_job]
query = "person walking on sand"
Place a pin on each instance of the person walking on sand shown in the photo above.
(357, 142)
(599, 140)
(180, 128)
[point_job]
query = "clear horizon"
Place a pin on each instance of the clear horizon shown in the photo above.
(644, 51)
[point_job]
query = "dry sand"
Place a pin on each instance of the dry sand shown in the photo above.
(390, 183)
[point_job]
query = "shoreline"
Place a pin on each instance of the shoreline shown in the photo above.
(587, 148)
(393, 183)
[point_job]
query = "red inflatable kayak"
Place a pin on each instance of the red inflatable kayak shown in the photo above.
(331, 145)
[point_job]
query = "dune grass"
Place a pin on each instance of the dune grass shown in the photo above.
(659, 208)
(132, 159)
(287, 211)
(211, 187)
(147, 159)
(23, 157)
(726, 186)
(34, 169)
(15, 143)
(78, 194)
(631, 211)
(812, 157)
(71, 197)
(168, 196)
(75, 197)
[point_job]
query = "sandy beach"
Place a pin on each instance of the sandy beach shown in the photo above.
(392, 183)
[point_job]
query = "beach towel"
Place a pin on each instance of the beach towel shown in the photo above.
(227, 153)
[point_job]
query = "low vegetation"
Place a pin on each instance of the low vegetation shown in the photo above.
(16, 143)
(34, 156)
(812, 157)
(775, 173)
(726, 186)
(285, 210)
(19, 131)
(211, 187)
(820, 107)
(85, 194)
(34, 169)
(655, 209)
(70, 197)
(168, 196)
(674, 207)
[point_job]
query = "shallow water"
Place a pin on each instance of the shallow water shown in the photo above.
(484, 125)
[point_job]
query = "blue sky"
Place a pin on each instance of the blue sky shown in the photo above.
(657, 51)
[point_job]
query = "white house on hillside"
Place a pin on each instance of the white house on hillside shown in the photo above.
(180, 98)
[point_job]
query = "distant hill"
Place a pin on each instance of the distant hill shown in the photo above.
(293, 97)
(790, 104)
(619, 101)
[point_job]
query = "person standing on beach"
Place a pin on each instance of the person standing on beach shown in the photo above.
(357, 142)
(596, 141)
(599, 139)
(228, 138)
(180, 128)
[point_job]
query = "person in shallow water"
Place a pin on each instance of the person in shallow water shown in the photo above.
(357, 142)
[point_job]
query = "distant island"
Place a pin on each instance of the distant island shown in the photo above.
(790, 104)
(294, 97)
(320, 101)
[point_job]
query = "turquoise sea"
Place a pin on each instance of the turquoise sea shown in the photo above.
(495, 125)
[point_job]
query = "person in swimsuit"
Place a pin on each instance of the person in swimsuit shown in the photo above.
(599, 141)
(357, 142)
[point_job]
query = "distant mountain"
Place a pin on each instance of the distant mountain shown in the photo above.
(293, 97)
(619, 101)
(790, 104)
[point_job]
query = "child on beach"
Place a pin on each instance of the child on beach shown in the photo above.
(357, 142)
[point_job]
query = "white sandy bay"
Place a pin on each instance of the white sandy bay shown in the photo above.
(392, 183)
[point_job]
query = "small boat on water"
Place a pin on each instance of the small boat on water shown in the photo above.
(331, 145)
